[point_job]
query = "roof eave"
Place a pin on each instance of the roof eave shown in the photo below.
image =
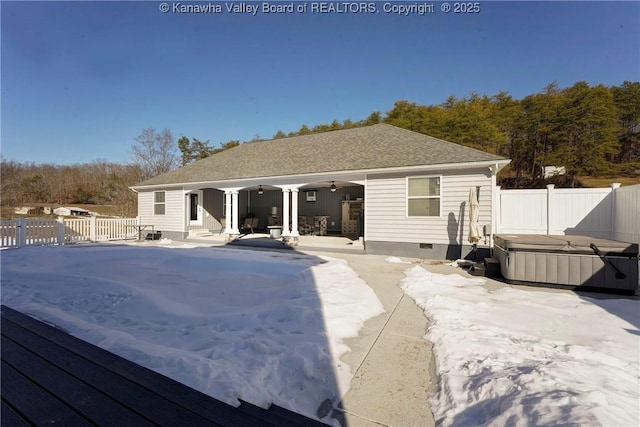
(498, 163)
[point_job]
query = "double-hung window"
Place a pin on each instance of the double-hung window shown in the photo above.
(423, 196)
(158, 202)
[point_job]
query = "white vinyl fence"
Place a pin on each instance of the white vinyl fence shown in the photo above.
(37, 231)
(610, 213)
(626, 214)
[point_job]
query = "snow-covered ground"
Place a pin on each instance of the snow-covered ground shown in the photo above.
(529, 357)
(270, 327)
(260, 326)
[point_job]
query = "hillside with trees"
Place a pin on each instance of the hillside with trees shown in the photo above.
(96, 183)
(590, 130)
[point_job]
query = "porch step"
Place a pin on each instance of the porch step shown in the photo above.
(200, 233)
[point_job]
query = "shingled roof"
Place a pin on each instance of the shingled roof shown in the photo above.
(378, 146)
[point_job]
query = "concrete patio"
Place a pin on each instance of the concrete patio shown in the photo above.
(264, 241)
(390, 360)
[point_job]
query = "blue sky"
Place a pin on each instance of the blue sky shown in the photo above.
(80, 80)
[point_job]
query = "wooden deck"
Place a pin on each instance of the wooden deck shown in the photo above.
(50, 377)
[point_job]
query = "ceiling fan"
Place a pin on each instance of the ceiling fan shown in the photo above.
(333, 187)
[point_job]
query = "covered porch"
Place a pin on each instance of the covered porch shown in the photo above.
(333, 207)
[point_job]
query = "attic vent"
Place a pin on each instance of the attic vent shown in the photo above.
(426, 245)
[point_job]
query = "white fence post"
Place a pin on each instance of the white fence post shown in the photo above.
(550, 188)
(92, 229)
(497, 212)
(614, 187)
(21, 233)
(61, 230)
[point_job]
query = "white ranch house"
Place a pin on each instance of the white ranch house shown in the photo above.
(403, 193)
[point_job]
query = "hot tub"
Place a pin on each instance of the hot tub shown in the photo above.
(568, 261)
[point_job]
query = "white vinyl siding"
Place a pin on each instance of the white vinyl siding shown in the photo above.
(386, 208)
(173, 218)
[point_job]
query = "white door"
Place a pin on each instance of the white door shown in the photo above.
(195, 208)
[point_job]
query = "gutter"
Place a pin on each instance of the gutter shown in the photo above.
(498, 164)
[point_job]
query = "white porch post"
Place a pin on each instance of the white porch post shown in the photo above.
(294, 212)
(227, 213)
(285, 212)
(234, 202)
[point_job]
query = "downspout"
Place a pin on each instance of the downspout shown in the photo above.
(185, 219)
(494, 205)
(365, 209)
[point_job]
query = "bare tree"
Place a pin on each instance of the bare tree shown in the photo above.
(155, 152)
(99, 182)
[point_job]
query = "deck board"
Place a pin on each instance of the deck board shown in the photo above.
(124, 391)
(34, 403)
(9, 417)
(88, 401)
(77, 383)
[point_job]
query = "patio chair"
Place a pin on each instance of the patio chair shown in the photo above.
(250, 224)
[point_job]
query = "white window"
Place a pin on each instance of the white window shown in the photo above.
(423, 196)
(158, 202)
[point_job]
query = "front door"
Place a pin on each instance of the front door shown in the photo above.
(195, 208)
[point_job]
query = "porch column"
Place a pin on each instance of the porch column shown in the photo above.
(294, 212)
(285, 212)
(234, 216)
(227, 212)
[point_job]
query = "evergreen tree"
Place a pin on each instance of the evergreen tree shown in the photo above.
(627, 100)
(540, 127)
(185, 148)
(373, 119)
(589, 130)
(279, 134)
(227, 145)
(194, 150)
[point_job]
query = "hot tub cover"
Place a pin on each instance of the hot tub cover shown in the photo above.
(568, 261)
(560, 243)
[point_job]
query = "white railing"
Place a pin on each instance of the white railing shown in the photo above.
(116, 229)
(37, 231)
(8, 233)
(610, 213)
(77, 230)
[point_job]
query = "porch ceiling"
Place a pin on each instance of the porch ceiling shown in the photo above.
(277, 183)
